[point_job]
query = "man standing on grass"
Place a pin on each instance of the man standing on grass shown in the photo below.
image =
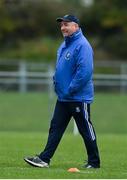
(74, 87)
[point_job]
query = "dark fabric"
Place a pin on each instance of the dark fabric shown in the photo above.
(62, 115)
(68, 18)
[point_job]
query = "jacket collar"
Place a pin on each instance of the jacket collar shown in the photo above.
(74, 36)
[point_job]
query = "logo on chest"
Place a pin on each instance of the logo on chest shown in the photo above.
(77, 109)
(68, 56)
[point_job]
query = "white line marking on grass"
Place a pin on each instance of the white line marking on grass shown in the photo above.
(87, 172)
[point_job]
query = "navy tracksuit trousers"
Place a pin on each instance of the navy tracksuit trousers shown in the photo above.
(62, 115)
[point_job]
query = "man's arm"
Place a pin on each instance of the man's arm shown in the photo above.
(84, 69)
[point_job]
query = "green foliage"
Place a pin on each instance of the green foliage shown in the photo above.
(28, 19)
(107, 20)
(23, 20)
(117, 45)
(43, 49)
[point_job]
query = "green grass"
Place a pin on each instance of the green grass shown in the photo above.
(24, 112)
(70, 153)
(24, 123)
(32, 112)
(109, 113)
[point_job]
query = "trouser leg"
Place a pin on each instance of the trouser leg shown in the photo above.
(85, 127)
(58, 125)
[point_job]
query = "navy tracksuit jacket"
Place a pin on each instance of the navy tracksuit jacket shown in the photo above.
(74, 87)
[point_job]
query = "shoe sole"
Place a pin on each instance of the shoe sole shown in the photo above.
(92, 167)
(35, 164)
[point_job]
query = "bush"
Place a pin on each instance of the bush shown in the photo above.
(117, 45)
(36, 50)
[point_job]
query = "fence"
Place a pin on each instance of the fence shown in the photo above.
(24, 77)
(113, 76)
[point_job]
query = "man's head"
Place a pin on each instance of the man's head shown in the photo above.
(69, 24)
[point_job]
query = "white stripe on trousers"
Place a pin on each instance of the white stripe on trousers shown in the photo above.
(89, 124)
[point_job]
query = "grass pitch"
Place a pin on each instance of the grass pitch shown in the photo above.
(70, 153)
(24, 123)
(33, 111)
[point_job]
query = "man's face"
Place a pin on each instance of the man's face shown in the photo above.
(68, 28)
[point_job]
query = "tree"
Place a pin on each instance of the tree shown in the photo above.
(107, 20)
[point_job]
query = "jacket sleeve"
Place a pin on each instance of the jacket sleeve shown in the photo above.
(84, 68)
